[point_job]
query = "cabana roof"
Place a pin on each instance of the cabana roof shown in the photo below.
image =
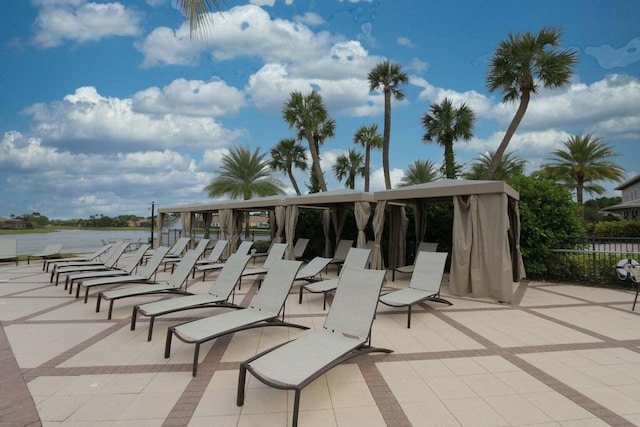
(196, 208)
(445, 189)
(330, 198)
(256, 203)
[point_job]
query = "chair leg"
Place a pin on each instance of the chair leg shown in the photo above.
(296, 408)
(97, 302)
(167, 344)
(196, 353)
(242, 378)
(110, 309)
(134, 315)
(150, 333)
(409, 318)
(300, 297)
(636, 299)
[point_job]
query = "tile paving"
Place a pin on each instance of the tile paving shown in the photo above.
(558, 355)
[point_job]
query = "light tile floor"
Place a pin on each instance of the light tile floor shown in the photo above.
(558, 355)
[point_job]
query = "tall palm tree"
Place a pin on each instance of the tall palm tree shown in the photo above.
(369, 138)
(509, 167)
(582, 162)
(198, 13)
(308, 114)
(419, 172)
(446, 124)
(388, 77)
(349, 166)
(287, 155)
(244, 174)
(519, 66)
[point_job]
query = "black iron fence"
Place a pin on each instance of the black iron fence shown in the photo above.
(593, 260)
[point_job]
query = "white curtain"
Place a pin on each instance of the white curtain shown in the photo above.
(224, 216)
(290, 230)
(280, 217)
(378, 227)
(362, 212)
(159, 224)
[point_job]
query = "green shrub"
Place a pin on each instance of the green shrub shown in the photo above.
(550, 219)
(618, 229)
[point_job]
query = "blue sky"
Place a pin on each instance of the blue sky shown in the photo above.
(107, 106)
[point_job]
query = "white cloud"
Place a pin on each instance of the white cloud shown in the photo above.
(84, 119)
(311, 19)
(404, 41)
(81, 21)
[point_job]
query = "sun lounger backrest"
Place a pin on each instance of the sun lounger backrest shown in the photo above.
(136, 258)
(300, 247)
(115, 253)
(343, 249)
(99, 252)
(428, 271)
(154, 262)
(8, 248)
(229, 275)
(355, 302)
(183, 268)
(217, 250)
(51, 249)
(314, 267)
(275, 254)
(179, 246)
(201, 246)
(276, 286)
(244, 248)
(356, 258)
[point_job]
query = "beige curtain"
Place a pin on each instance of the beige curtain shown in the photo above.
(207, 217)
(224, 216)
(237, 219)
(326, 228)
(481, 261)
(280, 213)
(159, 224)
(514, 241)
(362, 211)
(378, 227)
(290, 230)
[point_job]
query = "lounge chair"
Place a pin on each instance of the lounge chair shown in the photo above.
(109, 263)
(424, 285)
(49, 251)
(173, 260)
(216, 253)
(9, 250)
(408, 269)
(356, 258)
(174, 250)
(179, 277)
(276, 253)
(629, 269)
(92, 257)
(218, 295)
(310, 272)
(346, 333)
(264, 310)
(341, 252)
(144, 275)
(300, 247)
(243, 249)
(134, 262)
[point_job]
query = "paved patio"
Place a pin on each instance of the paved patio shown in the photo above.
(559, 355)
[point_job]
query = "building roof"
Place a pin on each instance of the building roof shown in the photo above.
(628, 183)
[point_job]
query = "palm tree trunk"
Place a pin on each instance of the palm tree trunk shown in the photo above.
(367, 161)
(511, 130)
(385, 137)
(315, 156)
(449, 160)
(293, 182)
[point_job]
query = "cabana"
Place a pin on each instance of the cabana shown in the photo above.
(335, 203)
(485, 258)
(187, 216)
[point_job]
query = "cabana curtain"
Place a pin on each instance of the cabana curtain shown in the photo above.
(481, 260)
(378, 226)
(362, 211)
(290, 232)
(280, 217)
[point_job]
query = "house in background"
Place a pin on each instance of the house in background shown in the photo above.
(629, 209)
(13, 223)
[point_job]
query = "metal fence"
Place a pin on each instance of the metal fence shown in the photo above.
(593, 260)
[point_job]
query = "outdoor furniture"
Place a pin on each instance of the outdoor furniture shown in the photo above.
(128, 269)
(179, 277)
(263, 311)
(9, 250)
(300, 247)
(424, 285)
(310, 272)
(356, 258)
(629, 269)
(346, 333)
(49, 251)
(408, 269)
(243, 249)
(276, 253)
(67, 261)
(145, 275)
(200, 248)
(218, 295)
(341, 252)
(109, 263)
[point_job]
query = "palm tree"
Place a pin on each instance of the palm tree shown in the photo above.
(388, 77)
(419, 172)
(198, 13)
(369, 138)
(311, 118)
(446, 124)
(244, 174)
(287, 155)
(349, 166)
(519, 67)
(582, 162)
(510, 166)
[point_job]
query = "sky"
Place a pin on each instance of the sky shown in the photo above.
(108, 106)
